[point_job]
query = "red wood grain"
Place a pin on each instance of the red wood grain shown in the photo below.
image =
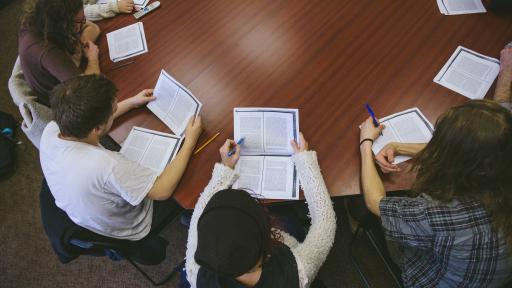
(326, 58)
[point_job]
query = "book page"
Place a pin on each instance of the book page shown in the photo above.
(249, 169)
(409, 126)
(456, 7)
(127, 42)
(174, 104)
(278, 178)
(279, 130)
(469, 73)
(249, 125)
(151, 149)
(266, 131)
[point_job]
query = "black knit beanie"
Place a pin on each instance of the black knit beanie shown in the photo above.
(233, 233)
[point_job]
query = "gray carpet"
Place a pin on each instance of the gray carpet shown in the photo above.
(27, 259)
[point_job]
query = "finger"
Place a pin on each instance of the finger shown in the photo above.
(295, 147)
(148, 91)
(390, 156)
(302, 141)
(198, 120)
(382, 161)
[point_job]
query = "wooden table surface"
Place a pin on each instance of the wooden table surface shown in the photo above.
(325, 57)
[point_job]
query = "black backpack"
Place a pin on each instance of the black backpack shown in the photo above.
(7, 144)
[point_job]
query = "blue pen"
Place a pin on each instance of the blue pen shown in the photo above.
(239, 142)
(375, 121)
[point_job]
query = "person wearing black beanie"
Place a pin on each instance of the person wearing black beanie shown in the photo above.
(231, 242)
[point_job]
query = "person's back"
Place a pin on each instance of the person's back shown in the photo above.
(454, 230)
(53, 38)
(102, 190)
(86, 181)
(445, 244)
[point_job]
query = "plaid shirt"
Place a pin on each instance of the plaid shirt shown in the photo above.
(445, 245)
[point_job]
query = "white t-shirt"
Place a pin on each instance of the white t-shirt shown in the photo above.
(99, 189)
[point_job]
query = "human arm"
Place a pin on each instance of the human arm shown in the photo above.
(167, 182)
(89, 32)
(223, 176)
(503, 91)
(386, 155)
(373, 189)
(94, 11)
(91, 52)
(311, 253)
(140, 99)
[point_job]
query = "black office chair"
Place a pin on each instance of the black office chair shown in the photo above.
(370, 225)
(69, 240)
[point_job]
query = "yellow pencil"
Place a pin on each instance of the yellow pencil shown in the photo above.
(206, 143)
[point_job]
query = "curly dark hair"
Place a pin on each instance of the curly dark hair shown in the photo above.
(55, 22)
(470, 157)
(82, 103)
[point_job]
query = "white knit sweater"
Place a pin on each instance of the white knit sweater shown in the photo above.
(94, 11)
(309, 254)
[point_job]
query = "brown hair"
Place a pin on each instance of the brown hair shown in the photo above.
(82, 103)
(470, 158)
(54, 22)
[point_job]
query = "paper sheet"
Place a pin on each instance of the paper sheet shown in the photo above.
(468, 73)
(266, 131)
(457, 7)
(267, 177)
(174, 104)
(127, 42)
(150, 148)
(408, 126)
(265, 165)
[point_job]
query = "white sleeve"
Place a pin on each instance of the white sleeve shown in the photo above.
(222, 178)
(95, 12)
(130, 180)
(311, 254)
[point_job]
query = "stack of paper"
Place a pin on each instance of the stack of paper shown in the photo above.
(265, 166)
(127, 42)
(469, 73)
(151, 149)
(409, 126)
(457, 7)
(174, 104)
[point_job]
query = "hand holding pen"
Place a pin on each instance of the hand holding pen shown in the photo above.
(372, 114)
(228, 157)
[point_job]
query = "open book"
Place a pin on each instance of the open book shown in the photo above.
(265, 166)
(469, 73)
(150, 148)
(174, 104)
(409, 126)
(456, 7)
(127, 42)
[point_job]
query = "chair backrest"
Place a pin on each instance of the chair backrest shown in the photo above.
(70, 240)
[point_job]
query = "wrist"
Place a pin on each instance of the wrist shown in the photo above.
(366, 147)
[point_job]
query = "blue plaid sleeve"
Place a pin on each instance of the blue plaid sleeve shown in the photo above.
(405, 220)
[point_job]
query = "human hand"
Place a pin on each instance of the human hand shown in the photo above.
(369, 131)
(91, 51)
(506, 60)
(301, 146)
(125, 6)
(386, 157)
(193, 130)
(142, 98)
(229, 161)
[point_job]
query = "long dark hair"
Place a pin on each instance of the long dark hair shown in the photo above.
(470, 158)
(54, 21)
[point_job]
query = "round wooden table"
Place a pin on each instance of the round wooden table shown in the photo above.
(326, 58)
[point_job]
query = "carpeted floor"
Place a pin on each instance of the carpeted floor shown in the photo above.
(27, 259)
